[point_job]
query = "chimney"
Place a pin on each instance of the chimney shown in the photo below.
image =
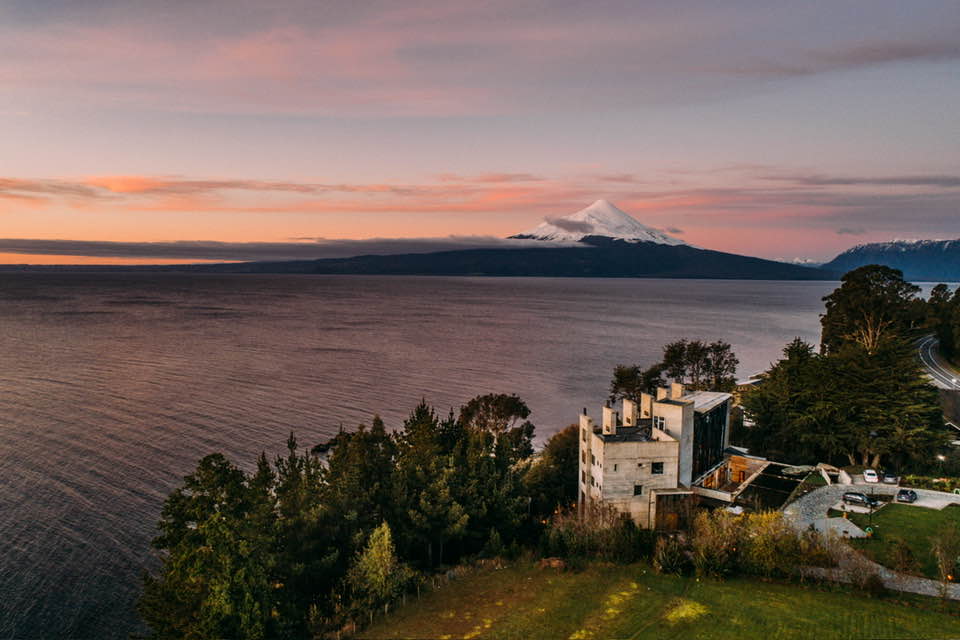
(629, 413)
(662, 393)
(609, 421)
(646, 405)
(676, 390)
(586, 425)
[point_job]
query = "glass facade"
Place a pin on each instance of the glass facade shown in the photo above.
(709, 430)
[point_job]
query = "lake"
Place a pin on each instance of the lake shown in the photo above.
(112, 386)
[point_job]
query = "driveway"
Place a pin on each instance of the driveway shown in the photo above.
(810, 510)
(814, 506)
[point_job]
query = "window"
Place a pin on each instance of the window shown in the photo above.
(584, 430)
(656, 468)
(659, 422)
(583, 456)
(583, 477)
(593, 459)
(614, 467)
(638, 489)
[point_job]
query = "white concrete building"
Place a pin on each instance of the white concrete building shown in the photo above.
(649, 457)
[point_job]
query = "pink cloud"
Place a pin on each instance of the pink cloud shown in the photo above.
(749, 214)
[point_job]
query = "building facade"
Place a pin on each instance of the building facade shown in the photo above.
(645, 459)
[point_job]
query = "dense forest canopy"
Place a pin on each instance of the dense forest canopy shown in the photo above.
(304, 543)
(701, 366)
(863, 397)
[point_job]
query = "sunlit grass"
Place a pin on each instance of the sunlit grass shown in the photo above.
(916, 525)
(526, 603)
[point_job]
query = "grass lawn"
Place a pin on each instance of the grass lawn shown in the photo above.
(527, 603)
(916, 525)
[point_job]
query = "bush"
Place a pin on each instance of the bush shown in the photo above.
(947, 484)
(715, 543)
(494, 547)
(946, 549)
(902, 556)
(873, 586)
(601, 534)
(769, 545)
(669, 556)
(764, 544)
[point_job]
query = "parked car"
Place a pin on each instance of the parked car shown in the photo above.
(907, 495)
(890, 478)
(870, 475)
(854, 497)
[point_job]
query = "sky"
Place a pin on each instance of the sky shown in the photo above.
(142, 131)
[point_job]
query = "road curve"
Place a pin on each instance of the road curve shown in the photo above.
(940, 374)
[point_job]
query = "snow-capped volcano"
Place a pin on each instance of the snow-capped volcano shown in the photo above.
(601, 218)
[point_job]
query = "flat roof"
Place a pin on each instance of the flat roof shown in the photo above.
(639, 433)
(706, 400)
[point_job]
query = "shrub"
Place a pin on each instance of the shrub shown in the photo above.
(873, 586)
(494, 547)
(902, 556)
(764, 544)
(817, 550)
(601, 533)
(715, 543)
(769, 545)
(945, 548)
(669, 556)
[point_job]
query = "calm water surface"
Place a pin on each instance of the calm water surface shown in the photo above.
(113, 386)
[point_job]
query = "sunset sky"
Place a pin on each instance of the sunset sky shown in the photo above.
(234, 129)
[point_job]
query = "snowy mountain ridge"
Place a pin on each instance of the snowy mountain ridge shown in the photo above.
(601, 218)
(902, 244)
(919, 260)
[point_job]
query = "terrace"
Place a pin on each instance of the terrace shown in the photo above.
(747, 481)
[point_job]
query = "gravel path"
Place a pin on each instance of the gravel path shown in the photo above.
(811, 510)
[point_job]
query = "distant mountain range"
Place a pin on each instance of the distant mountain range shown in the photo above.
(920, 260)
(598, 241)
(598, 256)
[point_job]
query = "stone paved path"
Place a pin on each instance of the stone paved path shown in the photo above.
(812, 508)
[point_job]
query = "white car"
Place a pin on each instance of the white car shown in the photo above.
(870, 475)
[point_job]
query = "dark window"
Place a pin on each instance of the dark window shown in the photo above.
(593, 459)
(709, 430)
(638, 489)
(584, 434)
(583, 477)
(656, 468)
(614, 467)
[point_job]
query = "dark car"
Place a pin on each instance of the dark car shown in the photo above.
(907, 495)
(890, 478)
(853, 497)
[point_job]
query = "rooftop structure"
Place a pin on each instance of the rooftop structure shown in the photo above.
(650, 454)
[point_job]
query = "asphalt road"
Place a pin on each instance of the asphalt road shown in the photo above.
(940, 374)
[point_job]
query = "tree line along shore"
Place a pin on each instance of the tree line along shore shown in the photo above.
(321, 539)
